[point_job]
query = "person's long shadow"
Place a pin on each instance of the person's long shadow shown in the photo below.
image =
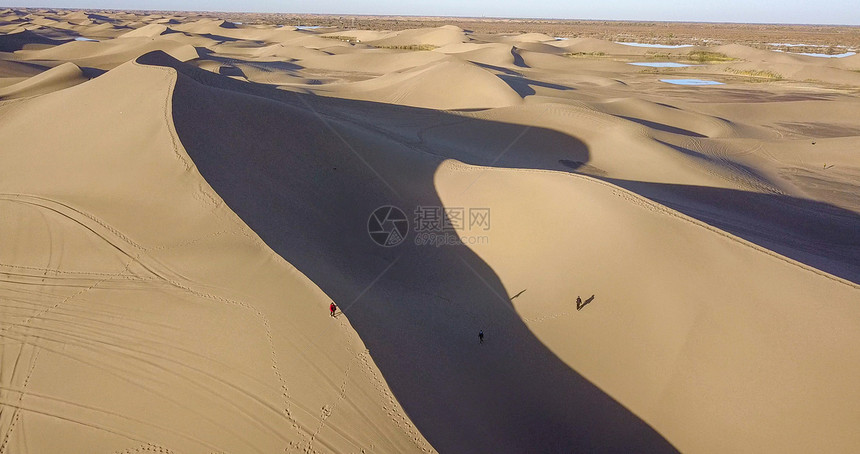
(306, 172)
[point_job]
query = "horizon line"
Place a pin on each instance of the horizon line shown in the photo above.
(417, 16)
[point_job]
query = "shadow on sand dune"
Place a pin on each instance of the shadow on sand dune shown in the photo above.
(525, 87)
(814, 233)
(662, 127)
(305, 173)
(17, 41)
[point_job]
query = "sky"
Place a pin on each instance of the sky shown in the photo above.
(845, 12)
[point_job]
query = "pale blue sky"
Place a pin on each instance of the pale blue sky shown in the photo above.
(767, 11)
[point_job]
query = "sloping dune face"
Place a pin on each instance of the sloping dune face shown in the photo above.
(653, 267)
(704, 353)
(422, 313)
(139, 313)
(689, 370)
(63, 76)
(450, 84)
(440, 36)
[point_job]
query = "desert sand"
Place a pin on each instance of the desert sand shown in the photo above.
(182, 197)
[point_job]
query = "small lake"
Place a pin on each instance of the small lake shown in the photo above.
(81, 38)
(813, 54)
(658, 46)
(307, 27)
(795, 45)
(661, 64)
(690, 82)
(846, 54)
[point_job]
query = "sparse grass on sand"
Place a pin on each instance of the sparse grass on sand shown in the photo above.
(584, 54)
(658, 70)
(756, 75)
(349, 39)
(696, 56)
(704, 56)
(409, 47)
(659, 56)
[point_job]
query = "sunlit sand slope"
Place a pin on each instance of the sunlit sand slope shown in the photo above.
(138, 312)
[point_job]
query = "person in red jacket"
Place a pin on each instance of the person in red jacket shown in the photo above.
(332, 308)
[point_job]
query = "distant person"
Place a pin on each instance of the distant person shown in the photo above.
(332, 308)
(481, 336)
(578, 303)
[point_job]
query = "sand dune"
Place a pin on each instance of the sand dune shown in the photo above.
(441, 36)
(284, 52)
(691, 373)
(10, 70)
(399, 338)
(139, 304)
(376, 62)
(435, 85)
(793, 66)
(589, 45)
(58, 78)
(25, 40)
(184, 198)
(675, 121)
(527, 38)
(760, 55)
(852, 62)
(546, 48)
(361, 35)
(494, 54)
(107, 55)
(530, 267)
(213, 26)
(149, 31)
(804, 72)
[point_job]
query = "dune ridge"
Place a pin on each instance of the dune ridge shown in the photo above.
(57, 78)
(103, 266)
